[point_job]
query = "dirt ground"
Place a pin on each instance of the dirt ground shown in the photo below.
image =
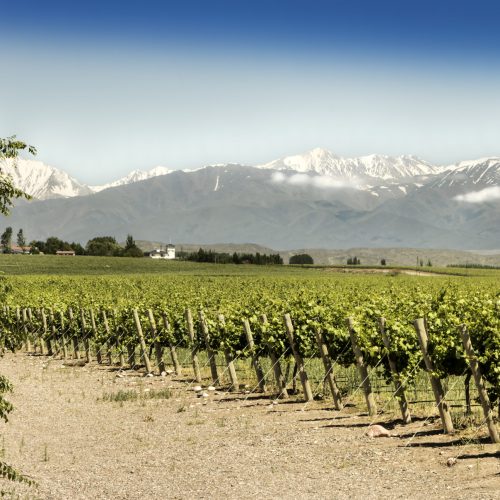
(77, 446)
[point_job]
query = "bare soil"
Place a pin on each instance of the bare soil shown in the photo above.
(77, 446)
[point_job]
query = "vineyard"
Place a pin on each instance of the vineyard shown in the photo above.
(391, 330)
(203, 345)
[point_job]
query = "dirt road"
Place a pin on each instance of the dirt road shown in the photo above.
(77, 446)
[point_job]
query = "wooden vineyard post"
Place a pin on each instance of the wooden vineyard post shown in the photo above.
(53, 330)
(363, 370)
(119, 344)
(144, 349)
(171, 348)
(400, 392)
(481, 389)
(18, 323)
(229, 360)
(327, 363)
(76, 351)
(85, 336)
(63, 335)
(211, 354)
(304, 379)
(48, 341)
(26, 330)
(194, 349)
(437, 388)
(157, 343)
(278, 375)
(29, 313)
(109, 350)
(98, 344)
(255, 358)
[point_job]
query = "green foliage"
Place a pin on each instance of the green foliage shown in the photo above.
(6, 240)
(103, 246)
(301, 258)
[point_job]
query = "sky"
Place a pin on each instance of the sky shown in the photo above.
(105, 87)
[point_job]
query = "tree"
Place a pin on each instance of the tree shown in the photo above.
(301, 258)
(131, 249)
(383, 262)
(9, 148)
(6, 240)
(21, 240)
(103, 246)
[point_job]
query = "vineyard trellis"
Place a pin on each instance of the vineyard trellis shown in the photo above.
(452, 335)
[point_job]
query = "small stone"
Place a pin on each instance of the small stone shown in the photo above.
(375, 431)
(247, 392)
(149, 375)
(210, 388)
(204, 394)
(163, 374)
(451, 462)
(169, 372)
(197, 388)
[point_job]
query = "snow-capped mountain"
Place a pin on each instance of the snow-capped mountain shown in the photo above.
(45, 182)
(134, 176)
(323, 162)
(42, 181)
(472, 173)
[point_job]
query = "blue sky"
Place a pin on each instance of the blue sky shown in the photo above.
(102, 88)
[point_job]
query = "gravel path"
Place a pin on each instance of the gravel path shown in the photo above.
(77, 446)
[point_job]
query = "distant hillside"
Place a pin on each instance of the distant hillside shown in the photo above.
(409, 205)
(368, 256)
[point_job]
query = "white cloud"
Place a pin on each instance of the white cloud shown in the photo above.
(319, 181)
(484, 195)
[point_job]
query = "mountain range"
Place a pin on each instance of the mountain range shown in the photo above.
(313, 200)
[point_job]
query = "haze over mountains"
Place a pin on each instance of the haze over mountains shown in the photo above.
(314, 200)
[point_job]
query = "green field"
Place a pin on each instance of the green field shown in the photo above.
(96, 302)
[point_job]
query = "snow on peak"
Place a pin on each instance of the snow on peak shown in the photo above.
(323, 162)
(42, 181)
(134, 176)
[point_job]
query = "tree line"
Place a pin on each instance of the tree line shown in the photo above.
(225, 258)
(98, 246)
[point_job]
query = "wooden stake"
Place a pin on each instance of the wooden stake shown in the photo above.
(396, 378)
(29, 348)
(327, 363)
(63, 335)
(157, 343)
(48, 342)
(437, 388)
(481, 389)
(306, 386)
(86, 342)
(363, 370)
(98, 344)
(210, 352)
(108, 337)
(171, 348)
(278, 375)
(76, 351)
(144, 350)
(255, 358)
(53, 330)
(119, 343)
(229, 360)
(194, 350)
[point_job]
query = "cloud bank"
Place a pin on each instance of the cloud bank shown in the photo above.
(484, 195)
(318, 181)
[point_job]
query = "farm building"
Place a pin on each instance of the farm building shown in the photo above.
(168, 253)
(66, 253)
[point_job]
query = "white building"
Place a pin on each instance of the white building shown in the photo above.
(168, 253)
